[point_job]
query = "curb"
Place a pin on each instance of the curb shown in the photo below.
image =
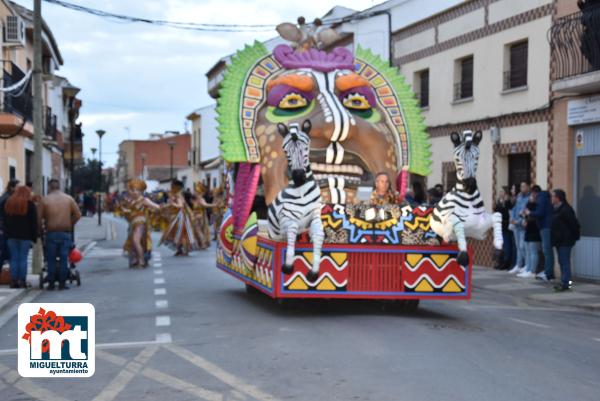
(589, 308)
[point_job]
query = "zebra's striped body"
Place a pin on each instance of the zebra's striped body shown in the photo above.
(461, 213)
(297, 207)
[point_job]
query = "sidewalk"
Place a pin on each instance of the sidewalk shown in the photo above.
(583, 295)
(87, 233)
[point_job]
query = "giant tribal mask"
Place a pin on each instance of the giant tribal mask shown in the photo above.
(365, 119)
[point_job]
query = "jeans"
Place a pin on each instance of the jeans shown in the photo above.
(4, 254)
(521, 248)
(58, 244)
(532, 249)
(548, 253)
(507, 248)
(564, 260)
(19, 249)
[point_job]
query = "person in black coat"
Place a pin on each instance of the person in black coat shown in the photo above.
(21, 225)
(503, 206)
(565, 232)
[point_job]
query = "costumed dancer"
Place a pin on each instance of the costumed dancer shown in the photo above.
(179, 233)
(218, 209)
(136, 208)
(201, 223)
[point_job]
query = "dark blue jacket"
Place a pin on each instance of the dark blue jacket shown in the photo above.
(543, 211)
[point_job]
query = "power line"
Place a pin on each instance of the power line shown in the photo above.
(197, 26)
(172, 24)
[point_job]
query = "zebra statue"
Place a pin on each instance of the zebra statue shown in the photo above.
(460, 213)
(297, 207)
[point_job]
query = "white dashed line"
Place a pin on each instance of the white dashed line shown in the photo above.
(163, 320)
(164, 338)
(160, 291)
(157, 264)
(162, 303)
(530, 323)
(158, 272)
(159, 280)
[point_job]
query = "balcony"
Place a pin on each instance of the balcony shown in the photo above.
(19, 103)
(575, 47)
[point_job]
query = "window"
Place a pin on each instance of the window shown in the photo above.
(463, 87)
(516, 74)
(12, 172)
(422, 87)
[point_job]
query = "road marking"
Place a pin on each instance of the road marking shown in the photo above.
(164, 338)
(597, 339)
(27, 386)
(157, 264)
(12, 310)
(181, 385)
(220, 374)
(114, 359)
(530, 323)
(89, 247)
(158, 271)
(160, 291)
(116, 385)
(159, 280)
(162, 303)
(163, 320)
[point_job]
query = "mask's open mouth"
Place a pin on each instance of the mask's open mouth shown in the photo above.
(353, 170)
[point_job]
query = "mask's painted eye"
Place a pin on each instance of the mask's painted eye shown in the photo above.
(292, 101)
(356, 101)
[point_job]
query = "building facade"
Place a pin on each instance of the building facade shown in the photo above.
(60, 104)
(574, 151)
(162, 152)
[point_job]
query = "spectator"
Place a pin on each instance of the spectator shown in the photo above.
(10, 188)
(434, 196)
(517, 223)
(532, 241)
(21, 231)
(543, 215)
(565, 232)
(59, 213)
(417, 197)
(503, 206)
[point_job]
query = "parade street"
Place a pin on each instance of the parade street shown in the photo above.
(183, 330)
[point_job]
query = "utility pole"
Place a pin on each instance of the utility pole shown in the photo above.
(38, 132)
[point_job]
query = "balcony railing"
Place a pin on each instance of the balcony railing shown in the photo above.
(575, 43)
(21, 101)
(516, 78)
(463, 90)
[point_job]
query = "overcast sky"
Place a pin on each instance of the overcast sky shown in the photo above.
(136, 79)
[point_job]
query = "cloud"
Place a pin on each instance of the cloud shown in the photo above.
(148, 78)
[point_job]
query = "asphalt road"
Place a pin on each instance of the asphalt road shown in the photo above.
(183, 330)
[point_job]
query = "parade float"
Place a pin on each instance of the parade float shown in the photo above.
(300, 118)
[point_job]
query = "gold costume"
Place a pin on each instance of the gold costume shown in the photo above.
(179, 233)
(200, 221)
(137, 214)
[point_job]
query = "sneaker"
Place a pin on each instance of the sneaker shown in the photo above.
(562, 287)
(541, 276)
(526, 274)
(515, 270)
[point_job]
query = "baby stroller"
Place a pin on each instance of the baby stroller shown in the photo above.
(72, 275)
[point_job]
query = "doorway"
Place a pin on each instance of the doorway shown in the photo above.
(519, 168)
(586, 200)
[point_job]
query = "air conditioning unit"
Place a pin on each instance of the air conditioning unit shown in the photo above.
(14, 31)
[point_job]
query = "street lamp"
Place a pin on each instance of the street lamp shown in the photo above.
(171, 146)
(93, 152)
(143, 155)
(100, 133)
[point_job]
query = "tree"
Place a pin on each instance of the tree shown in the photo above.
(85, 178)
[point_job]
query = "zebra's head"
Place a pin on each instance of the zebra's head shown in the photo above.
(296, 145)
(466, 157)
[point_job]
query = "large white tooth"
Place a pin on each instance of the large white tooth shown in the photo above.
(330, 153)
